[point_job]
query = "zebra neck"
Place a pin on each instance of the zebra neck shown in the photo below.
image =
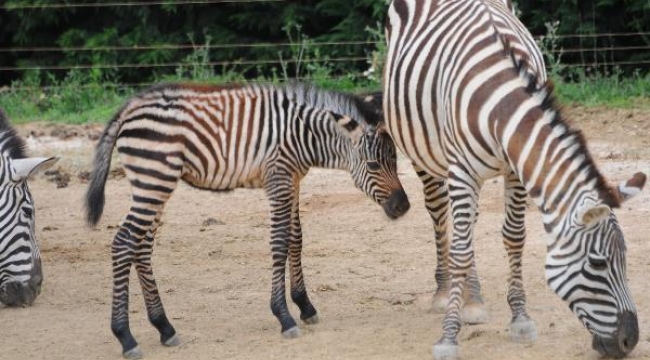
(329, 148)
(554, 165)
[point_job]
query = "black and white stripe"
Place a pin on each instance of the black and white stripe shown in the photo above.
(222, 138)
(20, 259)
(466, 99)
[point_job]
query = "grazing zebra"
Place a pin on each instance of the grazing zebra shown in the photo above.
(20, 258)
(466, 99)
(221, 138)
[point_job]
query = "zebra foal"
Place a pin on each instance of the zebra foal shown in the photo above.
(21, 274)
(466, 99)
(222, 138)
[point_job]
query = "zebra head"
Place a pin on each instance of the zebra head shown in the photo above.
(373, 165)
(586, 268)
(20, 262)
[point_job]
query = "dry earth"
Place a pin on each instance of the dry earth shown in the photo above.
(370, 278)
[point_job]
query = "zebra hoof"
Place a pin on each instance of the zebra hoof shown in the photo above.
(523, 331)
(133, 354)
(292, 333)
(445, 352)
(172, 341)
(473, 314)
(311, 320)
(439, 304)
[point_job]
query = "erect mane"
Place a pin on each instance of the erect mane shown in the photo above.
(11, 145)
(550, 104)
(334, 101)
(311, 95)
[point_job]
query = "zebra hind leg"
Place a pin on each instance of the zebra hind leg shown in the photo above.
(522, 327)
(463, 194)
(133, 244)
(436, 197)
(436, 201)
(308, 313)
(155, 310)
(123, 250)
(473, 311)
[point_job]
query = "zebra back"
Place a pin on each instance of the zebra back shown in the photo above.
(223, 137)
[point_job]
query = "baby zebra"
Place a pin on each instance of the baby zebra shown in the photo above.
(20, 259)
(227, 137)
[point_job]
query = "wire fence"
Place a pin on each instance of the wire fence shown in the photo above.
(582, 56)
(602, 51)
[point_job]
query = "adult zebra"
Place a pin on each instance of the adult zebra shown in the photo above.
(221, 138)
(20, 258)
(466, 99)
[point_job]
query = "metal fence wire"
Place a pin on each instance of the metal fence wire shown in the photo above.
(602, 53)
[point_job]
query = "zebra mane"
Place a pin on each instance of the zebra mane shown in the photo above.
(11, 145)
(354, 106)
(337, 102)
(549, 103)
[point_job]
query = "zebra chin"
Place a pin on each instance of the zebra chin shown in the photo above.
(17, 294)
(397, 204)
(624, 339)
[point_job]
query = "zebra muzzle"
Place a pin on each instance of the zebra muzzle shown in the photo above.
(18, 294)
(623, 341)
(397, 204)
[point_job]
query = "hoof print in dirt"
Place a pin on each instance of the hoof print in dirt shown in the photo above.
(212, 221)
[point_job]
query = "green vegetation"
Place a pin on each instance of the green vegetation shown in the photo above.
(103, 55)
(605, 90)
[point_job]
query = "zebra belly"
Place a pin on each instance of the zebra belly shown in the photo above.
(227, 178)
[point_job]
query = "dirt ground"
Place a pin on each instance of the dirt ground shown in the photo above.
(370, 278)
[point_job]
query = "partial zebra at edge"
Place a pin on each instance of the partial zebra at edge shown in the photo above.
(466, 98)
(21, 272)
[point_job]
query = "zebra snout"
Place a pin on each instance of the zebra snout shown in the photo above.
(18, 294)
(397, 204)
(624, 340)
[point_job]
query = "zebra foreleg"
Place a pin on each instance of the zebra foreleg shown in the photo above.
(299, 295)
(463, 193)
(522, 327)
(279, 189)
(155, 310)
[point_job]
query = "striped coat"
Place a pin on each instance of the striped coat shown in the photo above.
(20, 260)
(222, 138)
(466, 99)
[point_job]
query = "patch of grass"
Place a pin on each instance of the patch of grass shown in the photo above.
(612, 91)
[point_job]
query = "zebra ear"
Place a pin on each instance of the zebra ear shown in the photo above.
(349, 127)
(592, 214)
(632, 187)
(23, 168)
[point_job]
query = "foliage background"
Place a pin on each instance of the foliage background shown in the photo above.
(307, 21)
(61, 60)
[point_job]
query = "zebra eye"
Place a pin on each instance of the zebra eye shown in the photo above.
(598, 262)
(28, 212)
(373, 165)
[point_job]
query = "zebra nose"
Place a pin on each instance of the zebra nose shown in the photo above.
(18, 294)
(628, 331)
(623, 341)
(397, 204)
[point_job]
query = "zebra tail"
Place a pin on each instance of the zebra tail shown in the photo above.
(101, 166)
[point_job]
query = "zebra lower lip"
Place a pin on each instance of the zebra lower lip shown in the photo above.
(624, 339)
(397, 204)
(17, 294)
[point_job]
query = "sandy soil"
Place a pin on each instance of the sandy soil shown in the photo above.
(370, 278)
